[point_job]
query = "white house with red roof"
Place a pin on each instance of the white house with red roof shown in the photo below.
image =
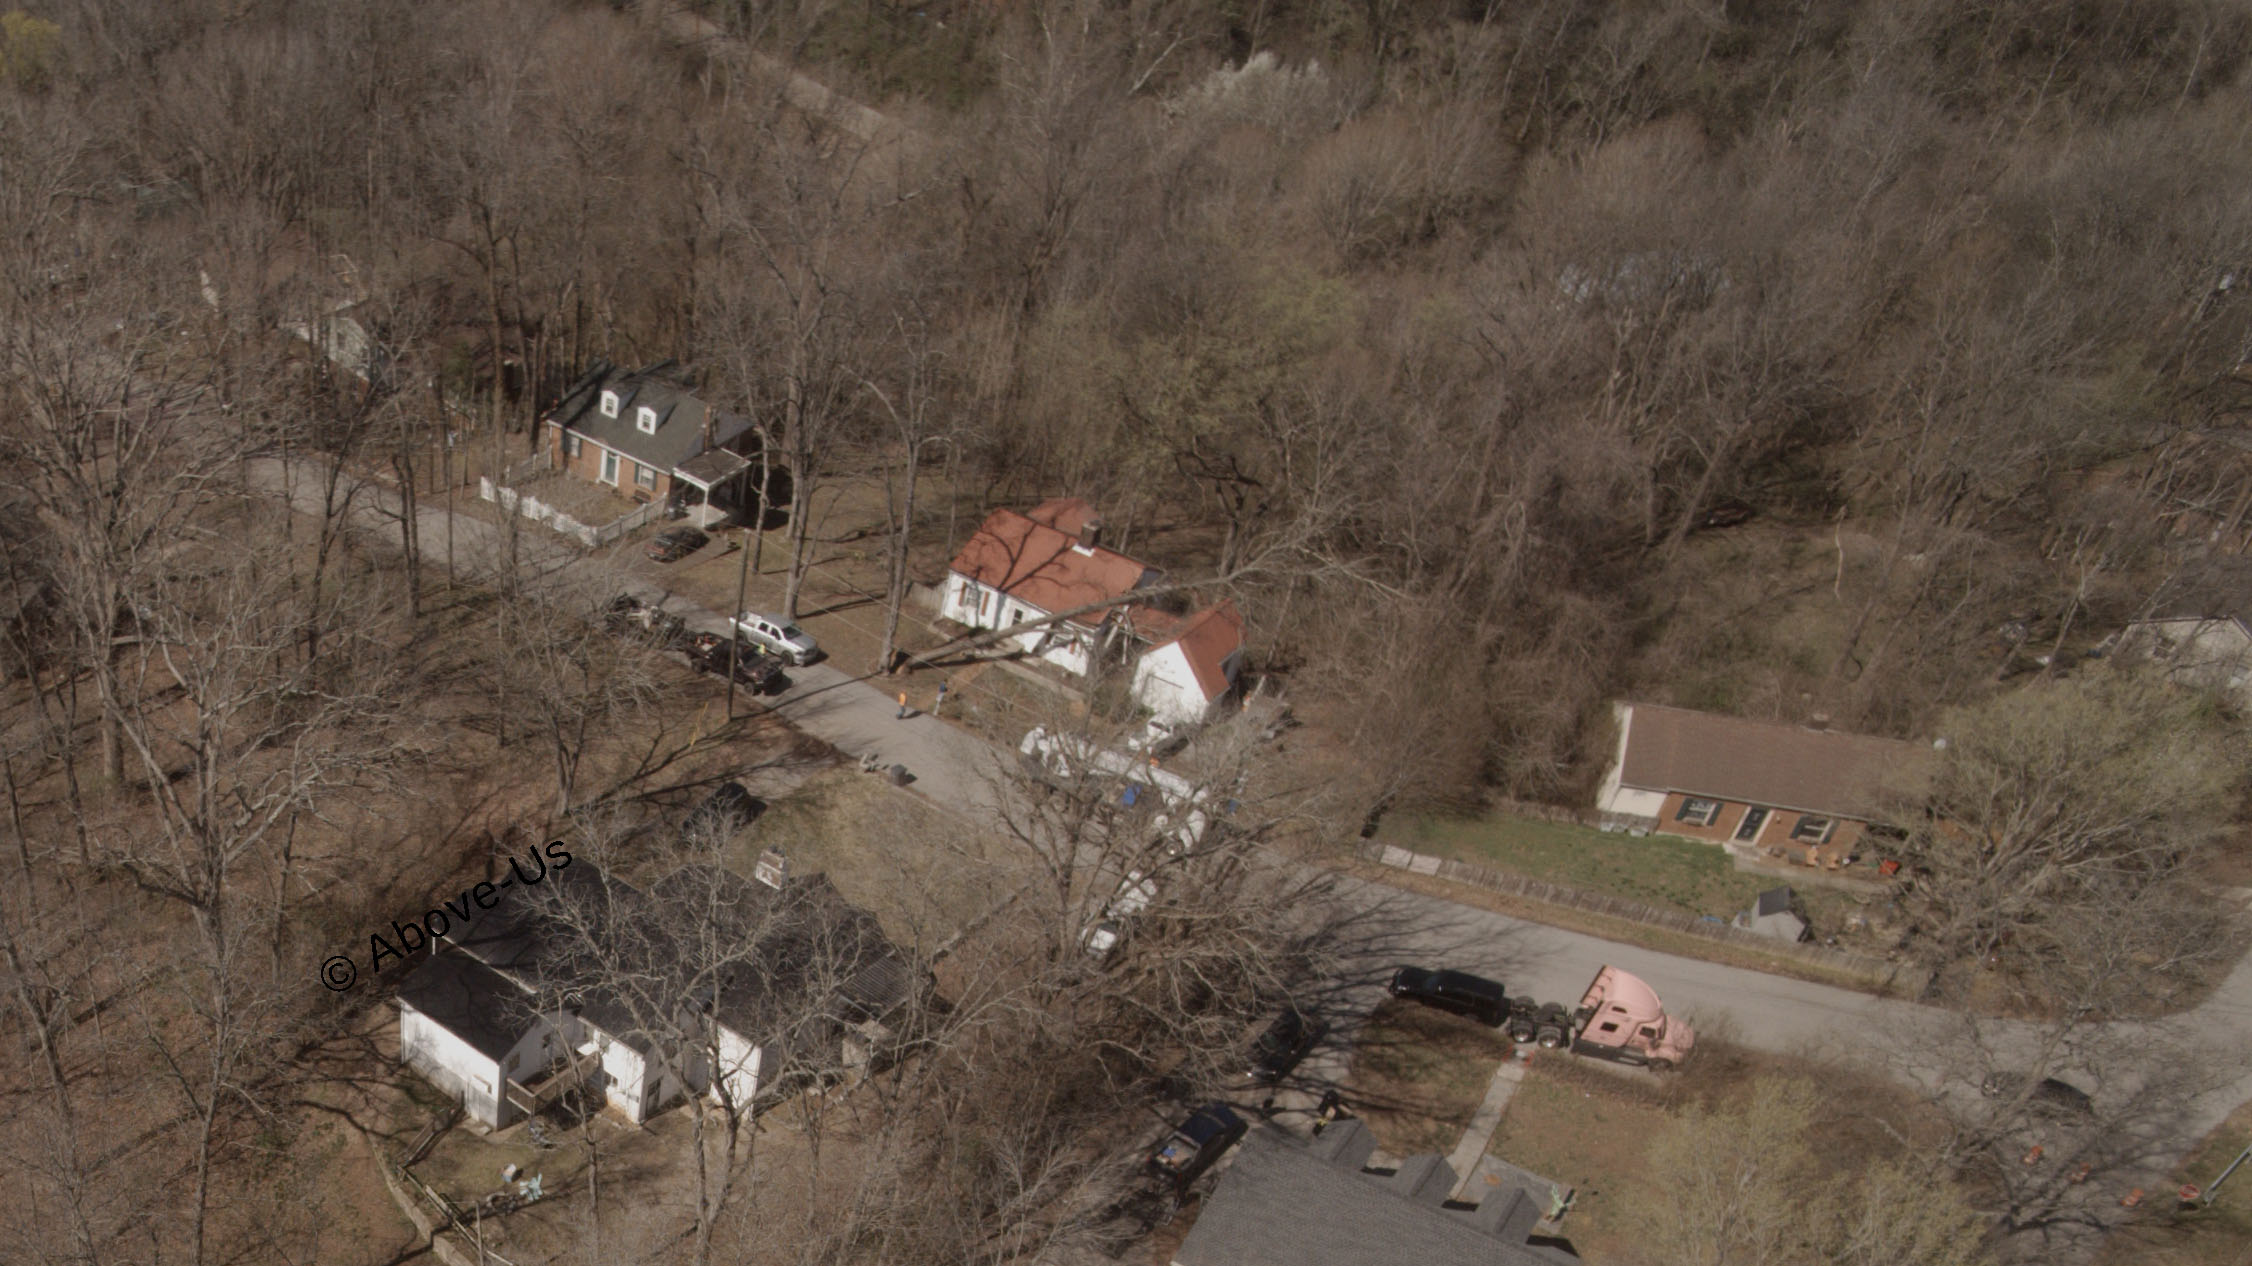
(1039, 563)
(1043, 562)
(1183, 677)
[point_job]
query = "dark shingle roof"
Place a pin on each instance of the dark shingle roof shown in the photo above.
(681, 417)
(798, 953)
(1773, 901)
(1285, 1203)
(1763, 762)
(610, 951)
(471, 1001)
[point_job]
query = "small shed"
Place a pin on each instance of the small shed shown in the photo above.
(1775, 913)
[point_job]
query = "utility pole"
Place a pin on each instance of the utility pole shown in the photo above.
(734, 625)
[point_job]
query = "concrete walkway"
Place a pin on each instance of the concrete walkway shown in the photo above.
(1479, 1134)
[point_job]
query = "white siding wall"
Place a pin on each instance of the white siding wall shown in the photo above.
(961, 603)
(1068, 648)
(1165, 684)
(628, 1074)
(739, 1067)
(452, 1064)
(1613, 798)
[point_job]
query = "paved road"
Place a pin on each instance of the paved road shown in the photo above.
(955, 768)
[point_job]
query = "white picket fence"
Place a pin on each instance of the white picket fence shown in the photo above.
(539, 511)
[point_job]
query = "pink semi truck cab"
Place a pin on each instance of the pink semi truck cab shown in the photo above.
(1620, 1018)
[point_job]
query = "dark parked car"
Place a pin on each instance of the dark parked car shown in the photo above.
(671, 547)
(2047, 1094)
(1190, 1150)
(754, 668)
(628, 616)
(1284, 1043)
(729, 809)
(1464, 994)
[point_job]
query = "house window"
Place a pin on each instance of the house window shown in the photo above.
(645, 418)
(610, 469)
(1698, 812)
(1814, 830)
(609, 404)
(644, 476)
(571, 443)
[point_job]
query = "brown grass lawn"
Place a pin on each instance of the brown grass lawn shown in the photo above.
(1588, 1126)
(2216, 1235)
(1419, 1074)
(921, 870)
(1585, 1129)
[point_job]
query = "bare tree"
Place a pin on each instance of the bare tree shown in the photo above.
(2051, 840)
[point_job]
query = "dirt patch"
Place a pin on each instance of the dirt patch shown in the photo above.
(1418, 1075)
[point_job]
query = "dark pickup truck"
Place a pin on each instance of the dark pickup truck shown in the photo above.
(754, 668)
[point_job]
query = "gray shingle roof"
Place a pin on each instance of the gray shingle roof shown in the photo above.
(789, 958)
(471, 1001)
(1287, 1203)
(801, 947)
(681, 417)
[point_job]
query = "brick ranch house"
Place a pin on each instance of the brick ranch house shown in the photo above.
(1028, 565)
(1803, 792)
(647, 436)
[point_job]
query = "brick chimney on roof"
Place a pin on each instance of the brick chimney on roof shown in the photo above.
(1090, 532)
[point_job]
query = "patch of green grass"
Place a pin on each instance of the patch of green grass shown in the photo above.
(1419, 1075)
(1677, 874)
(2211, 1235)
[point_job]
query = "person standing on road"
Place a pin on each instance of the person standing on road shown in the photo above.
(940, 702)
(902, 705)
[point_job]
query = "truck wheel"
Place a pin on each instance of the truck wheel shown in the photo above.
(1550, 1039)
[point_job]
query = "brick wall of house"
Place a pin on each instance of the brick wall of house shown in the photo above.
(1776, 832)
(588, 466)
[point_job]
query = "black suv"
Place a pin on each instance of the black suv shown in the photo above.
(1481, 999)
(1285, 1042)
(1191, 1149)
(729, 809)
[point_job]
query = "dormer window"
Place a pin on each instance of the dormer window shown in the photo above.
(609, 404)
(645, 418)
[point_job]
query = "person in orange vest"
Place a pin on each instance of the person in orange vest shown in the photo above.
(902, 705)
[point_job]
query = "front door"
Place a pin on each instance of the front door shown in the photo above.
(1754, 818)
(610, 469)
